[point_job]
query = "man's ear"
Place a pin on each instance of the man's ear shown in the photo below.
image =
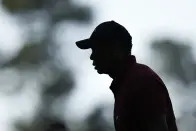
(117, 51)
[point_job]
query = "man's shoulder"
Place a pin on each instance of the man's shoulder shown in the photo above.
(144, 75)
(143, 72)
(140, 71)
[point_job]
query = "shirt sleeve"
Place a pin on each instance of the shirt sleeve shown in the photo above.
(150, 98)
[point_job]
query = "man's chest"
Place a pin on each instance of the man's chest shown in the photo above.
(124, 114)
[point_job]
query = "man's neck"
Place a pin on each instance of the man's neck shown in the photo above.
(121, 67)
(118, 69)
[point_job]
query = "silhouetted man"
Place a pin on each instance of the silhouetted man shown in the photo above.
(142, 102)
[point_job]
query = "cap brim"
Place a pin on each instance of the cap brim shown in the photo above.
(84, 44)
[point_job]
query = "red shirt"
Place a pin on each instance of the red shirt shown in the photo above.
(140, 93)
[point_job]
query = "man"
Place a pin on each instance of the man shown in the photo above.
(142, 102)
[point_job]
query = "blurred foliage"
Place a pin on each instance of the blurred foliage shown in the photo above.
(97, 122)
(177, 59)
(57, 88)
(43, 124)
(30, 54)
(40, 54)
(59, 10)
(15, 5)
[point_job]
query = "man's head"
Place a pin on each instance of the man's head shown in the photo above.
(110, 43)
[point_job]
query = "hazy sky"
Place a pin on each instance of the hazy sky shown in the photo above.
(144, 20)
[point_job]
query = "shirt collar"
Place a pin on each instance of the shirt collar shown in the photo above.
(131, 60)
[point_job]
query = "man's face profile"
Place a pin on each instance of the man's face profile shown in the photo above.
(101, 57)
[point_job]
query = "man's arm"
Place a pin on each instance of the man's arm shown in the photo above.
(155, 123)
(151, 106)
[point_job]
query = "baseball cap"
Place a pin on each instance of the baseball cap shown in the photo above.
(108, 32)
